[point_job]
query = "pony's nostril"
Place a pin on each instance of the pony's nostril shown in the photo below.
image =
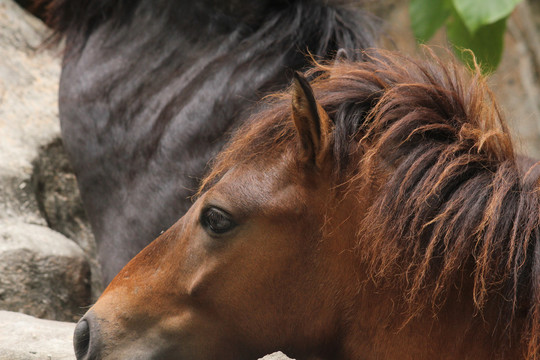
(87, 338)
(81, 339)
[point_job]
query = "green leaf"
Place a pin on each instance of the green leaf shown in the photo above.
(486, 44)
(427, 16)
(476, 13)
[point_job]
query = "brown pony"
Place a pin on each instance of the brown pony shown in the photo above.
(384, 215)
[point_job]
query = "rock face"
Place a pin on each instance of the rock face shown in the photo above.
(23, 337)
(58, 199)
(42, 273)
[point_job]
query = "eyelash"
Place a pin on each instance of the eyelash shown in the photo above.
(216, 221)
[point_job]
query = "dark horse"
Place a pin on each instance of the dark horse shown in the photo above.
(384, 215)
(150, 89)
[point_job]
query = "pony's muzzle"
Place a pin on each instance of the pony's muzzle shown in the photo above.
(86, 338)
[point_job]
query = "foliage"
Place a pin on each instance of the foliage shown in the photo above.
(478, 25)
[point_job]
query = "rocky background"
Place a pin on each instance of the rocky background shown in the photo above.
(47, 266)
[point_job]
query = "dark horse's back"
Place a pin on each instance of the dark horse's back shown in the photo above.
(151, 89)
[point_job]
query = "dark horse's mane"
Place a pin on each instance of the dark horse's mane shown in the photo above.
(449, 195)
(151, 89)
(330, 26)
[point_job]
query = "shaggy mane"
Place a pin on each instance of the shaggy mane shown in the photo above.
(331, 22)
(429, 142)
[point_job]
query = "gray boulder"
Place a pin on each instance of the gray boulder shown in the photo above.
(28, 105)
(57, 194)
(27, 338)
(42, 273)
(276, 356)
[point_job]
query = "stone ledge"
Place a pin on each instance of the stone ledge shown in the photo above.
(24, 337)
(42, 273)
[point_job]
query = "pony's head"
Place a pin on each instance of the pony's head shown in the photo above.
(336, 224)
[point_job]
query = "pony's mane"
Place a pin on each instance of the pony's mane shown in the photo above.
(429, 143)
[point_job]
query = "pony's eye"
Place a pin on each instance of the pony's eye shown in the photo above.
(216, 221)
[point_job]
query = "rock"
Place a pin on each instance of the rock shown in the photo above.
(28, 93)
(275, 356)
(24, 337)
(42, 273)
(58, 196)
(59, 201)
(516, 83)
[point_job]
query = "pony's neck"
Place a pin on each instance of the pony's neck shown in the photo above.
(382, 327)
(380, 330)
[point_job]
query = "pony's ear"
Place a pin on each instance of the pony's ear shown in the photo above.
(311, 121)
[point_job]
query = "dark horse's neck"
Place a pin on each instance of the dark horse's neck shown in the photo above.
(150, 91)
